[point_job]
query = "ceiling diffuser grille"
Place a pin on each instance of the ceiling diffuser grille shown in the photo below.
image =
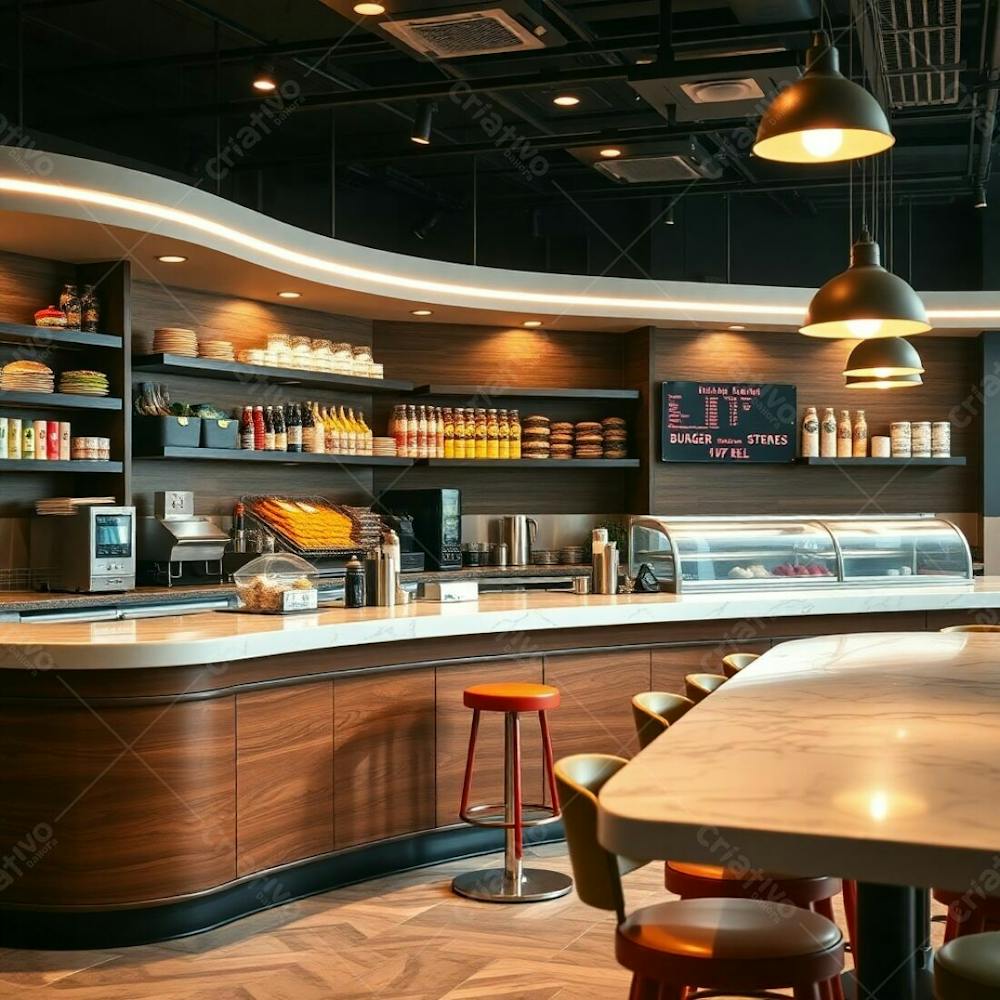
(648, 169)
(920, 40)
(471, 33)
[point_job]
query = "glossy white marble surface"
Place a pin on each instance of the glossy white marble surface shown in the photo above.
(874, 756)
(212, 637)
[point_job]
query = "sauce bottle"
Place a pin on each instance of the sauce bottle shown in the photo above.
(460, 433)
(439, 450)
(280, 430)
(294, 428)
(503, 441)
(844, 435)
(432, 432)
(480, 433)
(411, 431)
(399, 432)
(269, 429)
(448, 444)
(422, 432)
(492, 434)
(308, 427)
(859, 447)
(828, 434)
(810, 433)
(258, 428)
(515, 434)
(246, 429)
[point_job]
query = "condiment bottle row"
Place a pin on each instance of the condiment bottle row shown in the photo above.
(455, 432)
(305, 427)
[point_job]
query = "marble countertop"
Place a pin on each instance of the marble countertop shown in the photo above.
(871, 756)
(210, 637)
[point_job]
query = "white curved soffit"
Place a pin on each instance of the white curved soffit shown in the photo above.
(104, 195)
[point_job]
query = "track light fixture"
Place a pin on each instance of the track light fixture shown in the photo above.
(422, 122)
(822, 117)
(980, 201)
(427, 226)
(668, 219)
(264, 79)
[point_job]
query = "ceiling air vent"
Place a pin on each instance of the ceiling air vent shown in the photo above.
(651, 162)
(715, 91)
(469, 33)
(648, 169)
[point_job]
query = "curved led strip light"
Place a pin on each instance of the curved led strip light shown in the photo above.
(154, 210)
(157, 211)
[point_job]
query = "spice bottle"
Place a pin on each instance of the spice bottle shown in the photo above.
(480, 431)
(90, 310)
(828, 434)
(515, 434)
(492, 434)
(354, 584)
(503, 442)
(844, 435)
(860, 438)
(810, 433)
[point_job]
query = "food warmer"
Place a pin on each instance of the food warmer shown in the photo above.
(747, 553)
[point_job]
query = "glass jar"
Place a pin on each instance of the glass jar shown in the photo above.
(322, 352)
(362, 361)
(343, 359)
(70, 304)
(301, 348)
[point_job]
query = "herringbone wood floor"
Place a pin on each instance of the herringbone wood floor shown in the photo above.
(406, 937)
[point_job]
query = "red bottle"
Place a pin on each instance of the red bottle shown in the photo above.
(259, 431)
(247, 436)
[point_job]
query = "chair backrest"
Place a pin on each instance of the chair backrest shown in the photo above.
(699, 686)
(971, 628)
(597, 872)
(733, 663)
(654, 711)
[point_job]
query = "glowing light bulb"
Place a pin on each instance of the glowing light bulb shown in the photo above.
(864, 327)
(878, 806)
(823, 143)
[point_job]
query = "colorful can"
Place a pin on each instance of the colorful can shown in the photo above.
(4, 448)
(41, 439)
(920, 439)
(14, 442)
(64, 441)
(27, 439)
(901, 439)
(941, 439)
(52, 439)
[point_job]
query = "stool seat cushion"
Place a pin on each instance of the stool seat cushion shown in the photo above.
(968, 968)
(698, 881)
(512, 697)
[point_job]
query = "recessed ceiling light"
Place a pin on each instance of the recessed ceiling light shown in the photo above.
(289, 295)
(737, 326)
(645, 60)
(566, 101)
(171, 258)
(421, 312)
(532, 323)
(611, 152)
(369, 9)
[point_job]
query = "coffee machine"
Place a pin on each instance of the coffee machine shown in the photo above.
(437, 522)
(176, 542)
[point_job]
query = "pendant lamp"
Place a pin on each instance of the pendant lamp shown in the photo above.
(822, 117)
(883, 363)
(865, 301)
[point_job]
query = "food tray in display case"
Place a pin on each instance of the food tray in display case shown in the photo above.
(314, 527)
(776, 553)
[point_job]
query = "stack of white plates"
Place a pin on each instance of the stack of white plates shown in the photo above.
(217, 350)
(64, 506)
(84, 383)
(384, 446)
(175, 340)
(27, 376)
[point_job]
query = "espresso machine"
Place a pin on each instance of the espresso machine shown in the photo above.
(176, 544)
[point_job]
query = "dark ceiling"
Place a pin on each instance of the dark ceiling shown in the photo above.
(166, 84)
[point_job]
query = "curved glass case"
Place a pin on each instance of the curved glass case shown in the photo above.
(690, 553)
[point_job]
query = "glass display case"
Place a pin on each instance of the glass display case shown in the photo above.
(746, 553)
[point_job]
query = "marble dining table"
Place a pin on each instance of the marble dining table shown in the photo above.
(872, 756)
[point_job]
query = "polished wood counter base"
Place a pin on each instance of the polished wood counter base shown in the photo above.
(146, 803)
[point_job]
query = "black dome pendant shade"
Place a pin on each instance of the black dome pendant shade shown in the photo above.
(890, 382)
(865, 301)
(884, 357)
(822, 117)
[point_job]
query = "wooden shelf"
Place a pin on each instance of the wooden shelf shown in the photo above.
(54, 465)
(44, 336)
(279, 457)
(523, 392)
(58, 400)
(530, 463)
(234, 371)
(857, 463)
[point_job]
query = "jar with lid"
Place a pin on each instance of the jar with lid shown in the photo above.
(322, 352)
(301, 348)
(90, 310)
(480, 433)
(69, 303)
(492, 434)
(362, 361)
(503, 441)
(279, 351)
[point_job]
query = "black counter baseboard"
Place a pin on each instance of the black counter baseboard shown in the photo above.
(61, 930)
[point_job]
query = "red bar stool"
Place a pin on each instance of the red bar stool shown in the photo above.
(513, 883)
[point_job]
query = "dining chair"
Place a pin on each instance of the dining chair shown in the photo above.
(655, 711)
(699, 686)
(733, 663)
(971, 628)
(968, 968)
(732, 946)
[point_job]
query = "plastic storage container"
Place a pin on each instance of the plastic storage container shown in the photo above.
(152, 433)
(276, 583)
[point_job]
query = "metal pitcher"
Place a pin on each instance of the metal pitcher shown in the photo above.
(519, 532)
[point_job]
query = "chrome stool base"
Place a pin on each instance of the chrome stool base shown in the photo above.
(495, 885)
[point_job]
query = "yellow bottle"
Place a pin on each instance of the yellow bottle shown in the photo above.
(341, 425)
(492, 434)
(515, 434)
(480, 433)
(461, 434)
(345, 432)
(366, 435)
(503, 444)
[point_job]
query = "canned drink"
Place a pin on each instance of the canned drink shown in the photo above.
(14, 441)
(941, 439)
(900, 436)
(52, 439)
(920, 439)
(41, 439)
(64, 441)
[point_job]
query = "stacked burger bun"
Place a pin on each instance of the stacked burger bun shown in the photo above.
(615, 437)
(535, 434)
(561, 440)
(589, 440)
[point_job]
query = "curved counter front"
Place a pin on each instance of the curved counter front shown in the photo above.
(163, 776)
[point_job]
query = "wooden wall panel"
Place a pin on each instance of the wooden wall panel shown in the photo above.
(671, 664)
(454, 721)
(595, 712)
(117, 804)
(814, 366)
(384, 756)
(284, 775)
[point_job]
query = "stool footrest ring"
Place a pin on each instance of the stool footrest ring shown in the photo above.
(474, 815)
